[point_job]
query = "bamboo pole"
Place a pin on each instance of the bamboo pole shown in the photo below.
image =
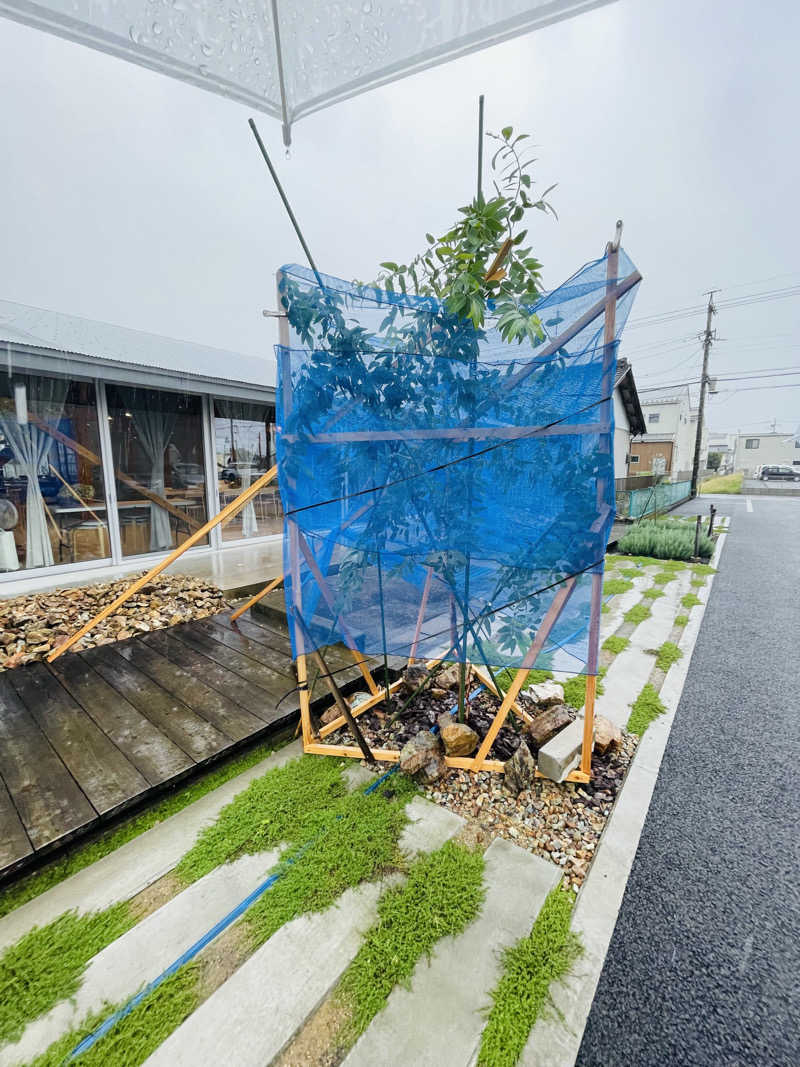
(255, 599)
(227, 511)
(102, 524)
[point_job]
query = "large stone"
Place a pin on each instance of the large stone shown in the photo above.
(546, 724)
(562, 753)
(448, 677)
(423, 757)
(520, 770)
(413, 677)
(545, 694)
(458, 738)
(606, 734)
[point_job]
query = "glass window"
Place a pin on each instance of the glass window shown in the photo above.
(654, 416)
(244, 436)
(52, 495)
(752, 442)
(634, 459)
(157, 445)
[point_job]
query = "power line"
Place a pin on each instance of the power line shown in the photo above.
(665, 317)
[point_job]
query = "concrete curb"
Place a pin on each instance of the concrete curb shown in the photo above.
(556, 1039)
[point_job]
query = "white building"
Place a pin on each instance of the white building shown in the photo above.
(756, 450)
(628, 417)
(725, 444)
(670, 433)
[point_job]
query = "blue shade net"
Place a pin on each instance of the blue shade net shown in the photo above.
(440, 483)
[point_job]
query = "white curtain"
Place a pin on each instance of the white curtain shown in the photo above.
(31, 447)
(154, 430)
(233, 412)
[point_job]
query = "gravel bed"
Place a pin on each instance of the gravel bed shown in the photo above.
(31, 626)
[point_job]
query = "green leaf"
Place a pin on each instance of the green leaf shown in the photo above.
(390, 266)
(507, 131)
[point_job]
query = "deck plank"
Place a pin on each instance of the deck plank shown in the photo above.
(15, 844)
(191, 732)
(154, 755)
(259, 651)
(250, 628)
(49, 801)
(252, 697)
(219, 709)
(272, 681)
(103, 772)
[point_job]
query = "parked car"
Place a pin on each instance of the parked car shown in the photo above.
(790, 474)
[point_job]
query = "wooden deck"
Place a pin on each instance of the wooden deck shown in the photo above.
(96, 732)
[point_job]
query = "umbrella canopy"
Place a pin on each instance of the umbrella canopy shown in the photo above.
(290, 57)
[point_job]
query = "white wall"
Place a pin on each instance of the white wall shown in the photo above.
(669, 416)
(772, 448)
(622, 437)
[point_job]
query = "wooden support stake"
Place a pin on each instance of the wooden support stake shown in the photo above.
(588, 726)
(227, 511)
(549, 621)
(255, 599)
(421, 616)
(341, 703)
(365, 705)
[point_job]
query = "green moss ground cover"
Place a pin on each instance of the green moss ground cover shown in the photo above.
(616, 644)
(681, 620)
(653, 594)
(46, 965)
(638, 613)
(529, 968)
(690, 600)
(667, 654)
(575, 689)
(139, 1034)
(664, 577)
(645, 710)
(441, 897)
(615, 586)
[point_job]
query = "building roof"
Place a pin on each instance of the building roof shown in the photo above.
(66, 344)
(630, 397)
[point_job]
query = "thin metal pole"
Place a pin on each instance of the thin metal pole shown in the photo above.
(286, 203)
(480, 146)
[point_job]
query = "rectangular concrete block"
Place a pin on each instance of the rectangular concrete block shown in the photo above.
(562, 753)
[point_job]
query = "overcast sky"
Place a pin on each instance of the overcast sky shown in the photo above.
(135, 199)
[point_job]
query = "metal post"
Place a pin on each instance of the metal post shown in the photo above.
(713, 512)
(480, 147)
(697, 536)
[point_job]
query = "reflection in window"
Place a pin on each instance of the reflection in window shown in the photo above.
(157, 444)
(244, 436)
(52, 496)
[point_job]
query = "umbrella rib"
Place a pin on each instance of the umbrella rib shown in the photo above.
(287, 128)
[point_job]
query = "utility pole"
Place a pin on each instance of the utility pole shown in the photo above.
(698, 444)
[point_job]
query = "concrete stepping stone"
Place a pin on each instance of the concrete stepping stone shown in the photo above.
(258, 1010)
(439, 1020)
(131, 868)
(141, 954)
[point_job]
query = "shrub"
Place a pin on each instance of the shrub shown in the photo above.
(664, 539)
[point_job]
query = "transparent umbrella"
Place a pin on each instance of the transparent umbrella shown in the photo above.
(290, 58)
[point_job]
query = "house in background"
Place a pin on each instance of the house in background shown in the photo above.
(669, 437)
(756, 450)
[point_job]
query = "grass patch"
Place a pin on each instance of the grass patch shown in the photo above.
(690, 600)
(663, 577)
(615, 586)
(723, 483)
(544, 956)
(87, 854)
(664, 539)
(681, 620)
(703, 569)
(638, 613)
(645, 710)
(46, 965)
(535, 677)
(629, 573)
(605, 609)
(575, 689)
(442, 895)
(653, 594)
(697, 583)
(616, 644)
(136, 1036)
(666, 655)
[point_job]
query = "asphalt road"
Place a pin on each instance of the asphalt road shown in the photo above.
(704, 963)
(773, 485)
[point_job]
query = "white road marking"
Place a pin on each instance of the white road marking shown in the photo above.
(749, 503)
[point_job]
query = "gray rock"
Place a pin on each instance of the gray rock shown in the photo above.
(423, 757)
(545, 693)
(606, 734)
(520, 770)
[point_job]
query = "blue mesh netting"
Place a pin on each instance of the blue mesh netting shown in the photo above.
(422, 461)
